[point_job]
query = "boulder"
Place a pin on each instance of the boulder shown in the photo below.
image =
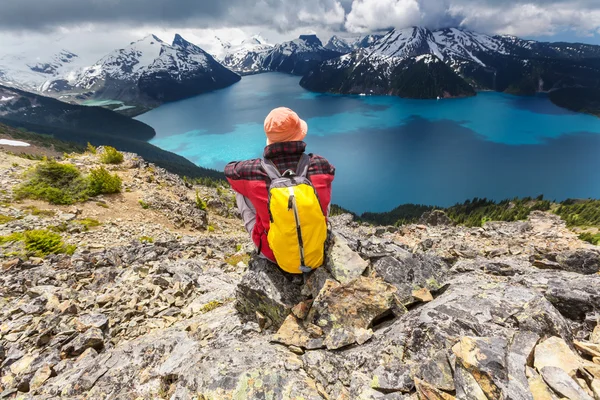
(394, 377)
(437, 372)
(574, 295)
(581, 261)
(340, 309)
(519, 356)
(407, 271)
(435, 218)
(265, 288)
(343, 263)
(485, 359)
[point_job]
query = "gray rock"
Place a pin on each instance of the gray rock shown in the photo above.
(343, 263)
(393, 378)
(437, 372)
(435, 218)
(582, 261)
(520, 354)
(267, 290)
(485, 359)
(412, 270)
(563, 384)
(95, 320)
(574, 295)
(92, 338)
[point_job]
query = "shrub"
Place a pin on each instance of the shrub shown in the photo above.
(211, 228)
(236, 258)
(200, 203)
(54, 182)
(146, 239)
(36, 211)
(102, 182)
(591, 238)
(13, 237)
(144, 205)
(91, 148)
(5, 219)
(43, 242)
(111, 156)
(88, 223)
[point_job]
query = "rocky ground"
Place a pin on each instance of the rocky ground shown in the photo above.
(161, 301)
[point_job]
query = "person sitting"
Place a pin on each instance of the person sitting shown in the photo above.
(284, 199)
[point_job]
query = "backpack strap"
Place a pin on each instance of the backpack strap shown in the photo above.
(273, 172)
(270, 169)
(303, 165)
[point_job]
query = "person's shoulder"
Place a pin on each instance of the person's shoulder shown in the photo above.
(245, 169)
(319, 164)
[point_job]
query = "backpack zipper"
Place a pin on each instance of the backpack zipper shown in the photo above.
(298, 229)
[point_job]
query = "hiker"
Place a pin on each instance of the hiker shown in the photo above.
(284, 198)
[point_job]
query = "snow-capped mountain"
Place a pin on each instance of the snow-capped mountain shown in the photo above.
(34, 72)
(247, 57)
(347, 45)
(152, 71)
(298, 56)
(481, 61)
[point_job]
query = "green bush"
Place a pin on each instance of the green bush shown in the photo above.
(43, 242)
(54, 182)
(88, 223)
(146, 239)
(111, 156)
(5, 219)
(200, 203)
(102, 182)
(144, 205)
(91, 148)
(591, 238)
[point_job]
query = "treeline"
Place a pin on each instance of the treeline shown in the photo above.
(478, 211)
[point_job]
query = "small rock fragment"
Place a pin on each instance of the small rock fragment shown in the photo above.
(588, 348)
(92, 338)
(423, 295)
(95, 320)
(301, 309)
(40, 377)
(291, 333)
(429, 392)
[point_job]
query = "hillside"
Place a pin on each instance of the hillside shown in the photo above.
(151, 292)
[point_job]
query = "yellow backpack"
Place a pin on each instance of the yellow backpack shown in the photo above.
(298, 231)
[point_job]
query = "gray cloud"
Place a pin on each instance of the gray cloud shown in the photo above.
(525, 17)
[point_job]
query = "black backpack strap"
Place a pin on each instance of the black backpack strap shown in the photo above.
(303, 165)
(270, 169)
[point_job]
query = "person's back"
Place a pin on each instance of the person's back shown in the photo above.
(285, 148)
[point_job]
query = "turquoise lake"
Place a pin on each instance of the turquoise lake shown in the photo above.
(389, 151)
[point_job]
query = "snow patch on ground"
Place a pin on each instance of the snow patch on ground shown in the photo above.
(6, 98)
(15, 143)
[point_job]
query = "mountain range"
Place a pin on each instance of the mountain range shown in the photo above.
(420, 63)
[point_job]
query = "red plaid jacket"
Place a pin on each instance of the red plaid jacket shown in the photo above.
(250, 180)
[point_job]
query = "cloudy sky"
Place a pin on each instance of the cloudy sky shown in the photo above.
(98, 25)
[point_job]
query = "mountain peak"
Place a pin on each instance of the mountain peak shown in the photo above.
(180, 41)
(311, 39)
